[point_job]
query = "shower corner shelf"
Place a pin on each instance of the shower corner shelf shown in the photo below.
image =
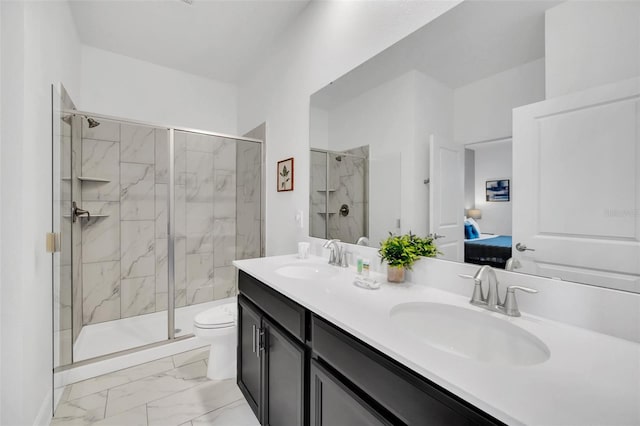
(327, 213)
(85, 217)
(325, 190)
(93, 179)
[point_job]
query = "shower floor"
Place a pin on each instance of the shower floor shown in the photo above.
(118, 335)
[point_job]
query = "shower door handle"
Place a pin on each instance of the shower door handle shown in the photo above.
(77, 212)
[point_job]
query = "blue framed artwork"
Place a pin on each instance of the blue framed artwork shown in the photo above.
(498, 190)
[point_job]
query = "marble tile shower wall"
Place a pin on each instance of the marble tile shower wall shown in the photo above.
(318, 194)
(348, 185)
(205, 203)
(248, 215)
(124, 254)
(348, 178)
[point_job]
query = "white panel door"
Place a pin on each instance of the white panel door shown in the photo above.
(446, 199)
(577, 202)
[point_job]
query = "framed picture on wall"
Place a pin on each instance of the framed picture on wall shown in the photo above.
(498, 190)
(285, 175)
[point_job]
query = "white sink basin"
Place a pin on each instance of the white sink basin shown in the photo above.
(307, 271)
(470, 334)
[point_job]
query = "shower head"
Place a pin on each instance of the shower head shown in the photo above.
(339, 158)
(92, 123)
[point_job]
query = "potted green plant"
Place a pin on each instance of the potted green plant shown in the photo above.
(401, 251)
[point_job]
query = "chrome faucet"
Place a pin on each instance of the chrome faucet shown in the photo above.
(336, 252)
(492, 301)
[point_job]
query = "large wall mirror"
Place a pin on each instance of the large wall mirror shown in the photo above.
(508, 131)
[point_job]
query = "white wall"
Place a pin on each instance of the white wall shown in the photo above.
(39, 47)
(395, 119)
(319, 128)
(591, 43)
(384, 119)
(469, 179)
(328, 39)
(483, 109)
(121, 86)
(494, 161)
(434, 116)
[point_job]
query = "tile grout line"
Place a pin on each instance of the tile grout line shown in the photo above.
(216, 409)
(133, 381)
(196, 383)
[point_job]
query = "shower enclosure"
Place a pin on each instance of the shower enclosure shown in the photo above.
(148, 219)
(339, 194)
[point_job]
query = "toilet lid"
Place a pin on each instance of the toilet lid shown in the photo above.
(218, 316)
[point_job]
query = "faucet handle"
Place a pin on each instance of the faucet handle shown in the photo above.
(513, 288)
(469, 277)
(478, 297)
(510, 305)
(344, 261)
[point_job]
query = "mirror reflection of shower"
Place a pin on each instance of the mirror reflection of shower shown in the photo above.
(339, 195)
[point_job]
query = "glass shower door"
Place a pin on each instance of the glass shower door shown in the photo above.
(62, 229)
(217, 218)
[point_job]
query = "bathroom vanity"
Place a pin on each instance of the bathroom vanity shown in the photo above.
(315, 349)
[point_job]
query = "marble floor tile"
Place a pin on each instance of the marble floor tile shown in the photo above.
(237, 414)
(82, 411)
(192, 403)
(169, 391)
(104, 382)
(127, 396)
(134, 417)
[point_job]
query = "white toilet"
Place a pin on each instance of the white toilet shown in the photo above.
(218, 326)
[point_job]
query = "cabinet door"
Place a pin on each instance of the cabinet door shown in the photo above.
(332, 403)
(284, 378)
(249, 362)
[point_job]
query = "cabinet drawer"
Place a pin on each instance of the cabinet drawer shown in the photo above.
(409, 397)
(283, 311)
(332, 403)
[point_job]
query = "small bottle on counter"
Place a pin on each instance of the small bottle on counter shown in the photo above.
(359, 265)
(366, 263)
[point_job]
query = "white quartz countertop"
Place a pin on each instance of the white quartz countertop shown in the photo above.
(589, 379)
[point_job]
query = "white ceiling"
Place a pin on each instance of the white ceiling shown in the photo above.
(474, 40)
(219, 39)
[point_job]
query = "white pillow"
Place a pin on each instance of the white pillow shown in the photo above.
(473, 223)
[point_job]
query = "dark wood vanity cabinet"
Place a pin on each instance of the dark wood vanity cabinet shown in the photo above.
(333, 403)
(249, 361)
(295, 368)
(271, 362)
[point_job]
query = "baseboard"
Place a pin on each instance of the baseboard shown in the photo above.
(45, 412)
